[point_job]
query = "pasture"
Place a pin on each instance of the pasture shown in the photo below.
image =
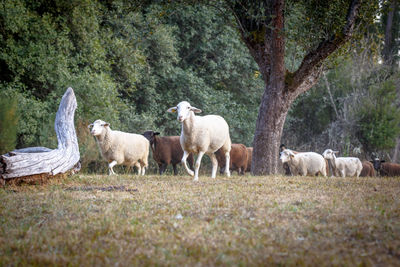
(129, 220)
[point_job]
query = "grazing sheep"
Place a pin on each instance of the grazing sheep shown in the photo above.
(166, 150)
(238, 161)
(286, 167)
(304, 163)
(386, 168)
(249, 158)
(202, 135)
(367, 169)
(344, 166)
(120, 148)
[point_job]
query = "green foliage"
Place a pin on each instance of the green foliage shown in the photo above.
(128, 62)
(379, 117)
(8, 123)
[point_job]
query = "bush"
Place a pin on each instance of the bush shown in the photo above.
(8, 123)
(379, 118)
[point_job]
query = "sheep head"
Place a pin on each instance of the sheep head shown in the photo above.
(97, 127)
(329, 154)
(286, 155)
(183, 109)
(150, 135)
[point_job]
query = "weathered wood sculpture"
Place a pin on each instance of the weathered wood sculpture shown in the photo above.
(41, 160)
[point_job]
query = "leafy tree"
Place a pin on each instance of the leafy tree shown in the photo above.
(327, 26)
(379, 118)
(391, 24)
(8, 123)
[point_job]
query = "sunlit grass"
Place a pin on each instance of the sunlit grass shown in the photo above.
(167, 220)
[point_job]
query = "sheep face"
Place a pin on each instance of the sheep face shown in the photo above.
(377, 163)
(150, 135)
(329, 154)
(183, 109)
(97, 127)
(286, 155)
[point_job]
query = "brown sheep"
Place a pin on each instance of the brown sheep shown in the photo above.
(166, 150)
(386, 168)
(249, 158)
(367, 170)
(238, 161)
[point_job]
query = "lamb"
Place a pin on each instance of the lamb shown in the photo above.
(249, 158)
(238, 161)
(202, 135)
(166, 150)
(120, 148)
(367, 169)
(386, 168)
(304, 163)
(344, 166)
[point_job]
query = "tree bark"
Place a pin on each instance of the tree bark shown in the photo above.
(40, 160)
(274, 105)
(389, 40)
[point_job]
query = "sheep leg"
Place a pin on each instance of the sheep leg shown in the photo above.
(323, 171)
(110, 167)
(163, 167)
(143, 170)
(184, 157)
(160, 168)
(227, 161)
(197, 166)
(139, 169)
(214, 165)
(175, 170)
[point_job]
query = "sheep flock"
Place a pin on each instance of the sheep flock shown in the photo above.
(209, 135)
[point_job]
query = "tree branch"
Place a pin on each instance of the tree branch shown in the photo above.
(255, 31)
(313, 60)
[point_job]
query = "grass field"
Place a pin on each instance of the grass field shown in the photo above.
(165, 220)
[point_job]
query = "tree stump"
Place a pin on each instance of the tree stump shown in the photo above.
(31, 161)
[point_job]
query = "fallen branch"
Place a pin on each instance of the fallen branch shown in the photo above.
(41, 160)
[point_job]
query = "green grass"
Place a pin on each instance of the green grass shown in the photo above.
(166, 220)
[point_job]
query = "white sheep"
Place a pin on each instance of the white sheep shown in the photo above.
(121, 148)
(344, 166)
(202, 135)
(304, 163)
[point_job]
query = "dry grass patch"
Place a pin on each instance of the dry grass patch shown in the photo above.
(153, 220)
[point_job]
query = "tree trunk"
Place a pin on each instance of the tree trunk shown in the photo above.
(40, 160)
(396, 154)
(269, 127)
(274, 106)
(389, 40)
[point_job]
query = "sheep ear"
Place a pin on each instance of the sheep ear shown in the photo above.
(335, 152)
(172, 110)
(156, 133)
(195, 110)
(106, 124)
(90, 126)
